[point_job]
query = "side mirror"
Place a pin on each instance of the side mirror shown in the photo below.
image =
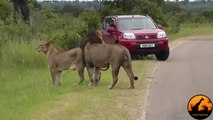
(111, 29)
(160, 26)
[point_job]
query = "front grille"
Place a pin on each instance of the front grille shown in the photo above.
(142, 37)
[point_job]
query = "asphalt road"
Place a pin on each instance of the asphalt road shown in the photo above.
(187, 72)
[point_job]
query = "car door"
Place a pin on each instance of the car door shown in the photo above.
(109, 37)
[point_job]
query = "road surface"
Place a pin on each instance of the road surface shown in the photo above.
(187, 72)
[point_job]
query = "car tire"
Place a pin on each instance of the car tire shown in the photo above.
(162, 55)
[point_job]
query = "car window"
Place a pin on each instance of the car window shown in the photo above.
(135, 23)
(108, 22)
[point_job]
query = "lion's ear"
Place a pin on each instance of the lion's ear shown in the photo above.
(47, 43)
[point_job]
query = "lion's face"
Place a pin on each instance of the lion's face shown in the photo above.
(43, 47)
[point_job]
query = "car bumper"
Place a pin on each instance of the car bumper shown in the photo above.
(145, 46)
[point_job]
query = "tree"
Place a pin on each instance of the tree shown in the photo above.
(76, 10)
(159, 2)
(23, 5)
(172, 7)
(92, 20)
(186, 1)
(150, 7)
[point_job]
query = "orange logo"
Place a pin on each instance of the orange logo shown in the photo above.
(200, 107)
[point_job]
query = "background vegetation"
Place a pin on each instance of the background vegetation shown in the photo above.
(26, 91)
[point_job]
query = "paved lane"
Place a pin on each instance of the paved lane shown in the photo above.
(188, 71)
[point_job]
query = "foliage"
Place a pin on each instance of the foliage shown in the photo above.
(151, 9)
(159, 2)
(198, 12)
(67, 40)
(174, 25)
(5, 10)
(108, 10)
(198, 19)
(76, 10)
(175, 15)
(24, 75)
(21, 55)
(33, 4)
(172, 7)
(207, 14)
(92, 20)
(16, 32)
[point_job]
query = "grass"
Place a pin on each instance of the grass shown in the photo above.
(26, 91)
(192, 29)
(27, 94)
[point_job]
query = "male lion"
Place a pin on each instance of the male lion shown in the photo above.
(98, 55)
(59, 61)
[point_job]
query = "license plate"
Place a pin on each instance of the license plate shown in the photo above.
(148, 45)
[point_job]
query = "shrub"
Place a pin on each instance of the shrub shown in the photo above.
(151, 9)
(67, 40)
(92, 20)
(76, 10)
(16, 32)
(174, 20)
(5, 10)
(198, 19)
(207, 14)
(76, 25)
(108, 10)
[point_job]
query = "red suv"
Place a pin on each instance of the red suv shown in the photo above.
(138, 33)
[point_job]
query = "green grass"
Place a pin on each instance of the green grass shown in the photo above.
(26, 90)
(192, 29)
(27, 93)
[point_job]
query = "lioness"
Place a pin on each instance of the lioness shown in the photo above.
(98, 55)
(59, 61)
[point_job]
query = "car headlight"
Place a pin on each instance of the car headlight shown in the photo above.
(161, 34)
(129, 36)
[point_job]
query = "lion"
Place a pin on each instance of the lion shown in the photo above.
(59, 61)
(98, 55)
(96, 37)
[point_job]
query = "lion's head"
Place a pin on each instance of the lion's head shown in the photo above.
(93, 37)
(43, 47)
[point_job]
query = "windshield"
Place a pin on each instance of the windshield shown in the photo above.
(135, 24)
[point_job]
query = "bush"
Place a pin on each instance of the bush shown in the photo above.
(5, 10)
(151, 9)
(198, 19)
(67, 40)
(108, 10)
(16, 32)
(76, 10)
(76, 25)
(174, 20)
(173, 27)
(92, 20)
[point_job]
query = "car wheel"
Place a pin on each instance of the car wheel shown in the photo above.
(162, 55)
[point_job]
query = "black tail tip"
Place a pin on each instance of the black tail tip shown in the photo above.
(136, 78)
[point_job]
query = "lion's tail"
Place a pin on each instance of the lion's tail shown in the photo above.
(128, 57)
(104, 69)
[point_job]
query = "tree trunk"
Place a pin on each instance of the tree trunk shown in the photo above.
(23, 5)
